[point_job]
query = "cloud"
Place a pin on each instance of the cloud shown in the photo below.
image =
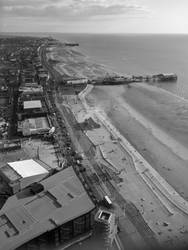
(64, 10)
(26, 2)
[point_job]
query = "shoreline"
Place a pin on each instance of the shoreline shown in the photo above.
(168, 164)
(170, 200)
(104, 119)
(163, 137)
(164, 112)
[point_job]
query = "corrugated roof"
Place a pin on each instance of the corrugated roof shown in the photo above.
(27, 168)
(32, 104)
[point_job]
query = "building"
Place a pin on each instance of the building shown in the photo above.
(32, 113)
(31, 106)
(107, 221)
(61, 212)
(36, 104)
(43, 75)
(76, 80)
(71, 44)
(20, 174)
(8, 145)
(166, 77)
(29, 90)
(34, 126)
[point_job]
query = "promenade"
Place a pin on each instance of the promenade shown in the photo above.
(155, 198)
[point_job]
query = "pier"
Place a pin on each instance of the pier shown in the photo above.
(118, 80)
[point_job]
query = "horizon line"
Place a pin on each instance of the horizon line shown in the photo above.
(93, 33)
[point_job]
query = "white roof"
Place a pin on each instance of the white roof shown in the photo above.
(27, 168)
(32, 104)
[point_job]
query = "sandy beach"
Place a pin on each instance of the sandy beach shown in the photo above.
(71, 62)
(144, 114)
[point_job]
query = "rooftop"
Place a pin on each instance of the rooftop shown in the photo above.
(35, 125)
(33, 89)
(32, 104)
(70, 78)
(63, 199)
(17, 170)
(27, 168)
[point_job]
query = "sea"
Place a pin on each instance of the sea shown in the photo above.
(138, 54)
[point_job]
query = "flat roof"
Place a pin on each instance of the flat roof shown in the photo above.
(27, 168)
(32, 89)
(32, 104)
(63, 199)
(35, 125)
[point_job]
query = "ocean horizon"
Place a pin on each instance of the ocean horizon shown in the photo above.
(134, 54)
(138, 54)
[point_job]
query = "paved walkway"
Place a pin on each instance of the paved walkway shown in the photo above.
(159, 203)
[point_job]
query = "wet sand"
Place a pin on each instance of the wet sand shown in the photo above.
(158, 121)
(167, 111)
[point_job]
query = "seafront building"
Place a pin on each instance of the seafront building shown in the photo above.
(75, 80)
(61, 212)
(20, 174)
(32, 111)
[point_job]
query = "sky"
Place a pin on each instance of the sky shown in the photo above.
(94, 16)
